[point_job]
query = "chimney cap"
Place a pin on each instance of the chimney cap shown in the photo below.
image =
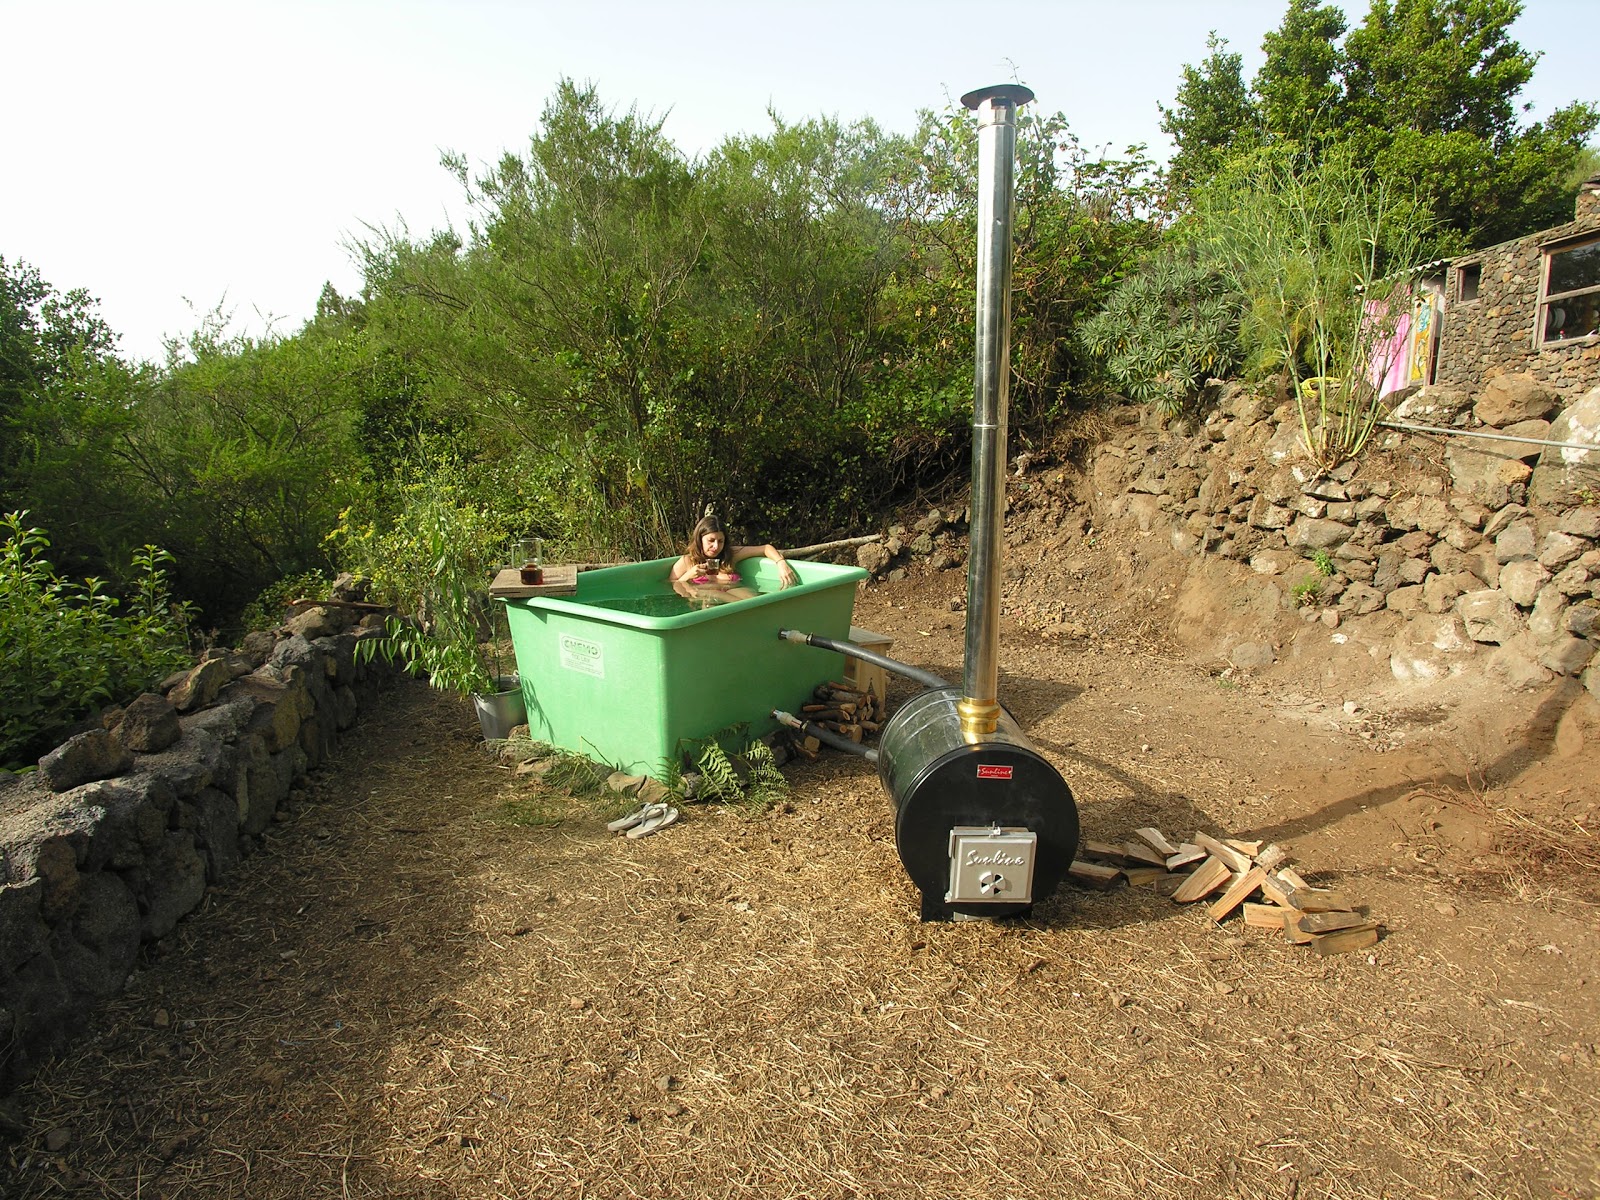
(1009, 93)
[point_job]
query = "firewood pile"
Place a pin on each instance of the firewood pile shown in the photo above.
(844, 710)
(1233, 876)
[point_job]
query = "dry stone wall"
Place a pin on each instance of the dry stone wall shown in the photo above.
(1489, 548)
(1455, 553)
(121, 830)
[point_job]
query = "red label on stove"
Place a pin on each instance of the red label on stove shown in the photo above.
(991, 771)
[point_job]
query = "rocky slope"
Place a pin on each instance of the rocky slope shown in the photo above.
(1440, 568)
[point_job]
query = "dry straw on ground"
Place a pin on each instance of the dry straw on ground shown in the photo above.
(409, 995)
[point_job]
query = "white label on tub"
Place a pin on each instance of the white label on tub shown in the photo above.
(585, 657)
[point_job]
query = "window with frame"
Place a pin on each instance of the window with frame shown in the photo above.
(1570, 307)
(1468, 278)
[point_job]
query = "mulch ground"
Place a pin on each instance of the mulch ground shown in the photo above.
(440, 979)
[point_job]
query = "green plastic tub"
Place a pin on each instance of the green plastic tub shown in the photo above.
(630, 689)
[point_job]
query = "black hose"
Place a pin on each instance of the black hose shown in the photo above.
(826, 736)
(850, 650)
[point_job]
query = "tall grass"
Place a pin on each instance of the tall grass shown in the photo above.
(1325, 260)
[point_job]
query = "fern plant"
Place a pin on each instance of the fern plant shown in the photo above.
(750, 777)
(719, 778)
(765, 784)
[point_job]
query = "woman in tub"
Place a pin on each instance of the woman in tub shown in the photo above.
(705, 571)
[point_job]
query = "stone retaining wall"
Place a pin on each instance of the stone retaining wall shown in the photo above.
(1490, 549)
(1483, 553)
(121, 830)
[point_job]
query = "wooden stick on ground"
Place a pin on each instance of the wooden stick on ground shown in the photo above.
(340, 604)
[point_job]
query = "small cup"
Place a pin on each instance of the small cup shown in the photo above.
(531, 554)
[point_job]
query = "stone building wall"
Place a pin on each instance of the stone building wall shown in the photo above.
(1494, 333)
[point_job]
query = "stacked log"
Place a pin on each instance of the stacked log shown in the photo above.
(850, 712)
(844, 710)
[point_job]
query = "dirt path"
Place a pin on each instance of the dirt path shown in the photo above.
(409, 994)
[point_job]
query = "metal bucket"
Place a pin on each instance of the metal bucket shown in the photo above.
(501, 711)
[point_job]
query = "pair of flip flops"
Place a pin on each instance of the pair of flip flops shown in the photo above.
(647, 820)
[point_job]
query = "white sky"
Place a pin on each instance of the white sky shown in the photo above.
(165, 155)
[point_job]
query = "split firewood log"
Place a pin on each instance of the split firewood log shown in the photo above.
(840, 694)
(825, 715)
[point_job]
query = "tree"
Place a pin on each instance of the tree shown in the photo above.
(1212, 117)
(1082, 221)
(550, 322)
(65, 399)
(49, 341)
(1422, 91)
(1430, 101)
(1297, 90)
(785, 324)
(643, 334)
(795, 314)
(241, 458)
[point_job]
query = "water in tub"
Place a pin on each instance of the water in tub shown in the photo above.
(668, 603)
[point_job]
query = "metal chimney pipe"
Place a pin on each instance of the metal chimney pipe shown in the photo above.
(985, 825)
(996, 107)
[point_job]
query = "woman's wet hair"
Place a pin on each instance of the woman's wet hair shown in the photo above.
(707, 525)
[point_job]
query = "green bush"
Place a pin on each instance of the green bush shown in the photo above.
(1326, 260)
(67, 647)
(269, 609)
(1167, 329)
(434, 558)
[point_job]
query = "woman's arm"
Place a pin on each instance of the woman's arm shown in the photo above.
(786, 575)
(679, 569)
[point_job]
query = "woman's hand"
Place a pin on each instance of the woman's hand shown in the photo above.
(786, 576)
